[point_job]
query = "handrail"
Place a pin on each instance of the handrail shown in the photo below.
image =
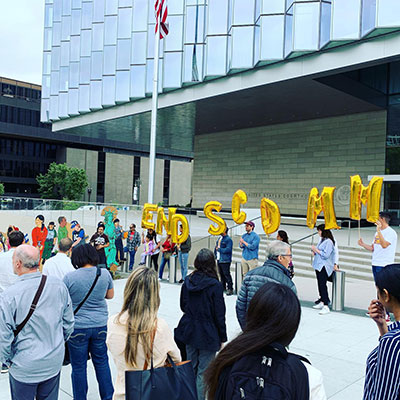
(303, 238)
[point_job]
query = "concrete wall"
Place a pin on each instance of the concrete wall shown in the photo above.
(180, 188)
(158, 180)
(283, 162)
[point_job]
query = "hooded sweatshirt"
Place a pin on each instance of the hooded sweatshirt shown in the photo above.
(203, 322)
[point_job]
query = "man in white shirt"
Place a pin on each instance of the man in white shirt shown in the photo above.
(7, 276)
(384, 245)
(60, 264)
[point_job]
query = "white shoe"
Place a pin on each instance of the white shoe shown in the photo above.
(319, 306)
(324, 310)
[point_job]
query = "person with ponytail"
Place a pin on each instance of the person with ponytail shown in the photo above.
(137, 333)
(39, 234)
(273, 318)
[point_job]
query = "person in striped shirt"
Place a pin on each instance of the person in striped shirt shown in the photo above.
(382, 379)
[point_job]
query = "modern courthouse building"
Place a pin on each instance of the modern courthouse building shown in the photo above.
(269, 96)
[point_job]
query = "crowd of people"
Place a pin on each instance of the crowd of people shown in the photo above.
(53, 311)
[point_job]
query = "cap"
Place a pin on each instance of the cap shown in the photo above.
(74, 224)
(251, 223)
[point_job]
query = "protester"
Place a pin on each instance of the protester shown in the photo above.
(283, 237)
(132, 244)
(156, 249)
(271, 323)
(223, 252)
(183, 254)
(323, 264)
(50, 241)
(78, 234)
(148, 249)
(39, 234)
(36, 354)
(249, 244)
(62, 228)
(275, 269)
(100, 241)
(118, 241)
(90, 330)
(137, 333)
(60, 264)
(202, 327)
(167, 250)
(382, 378)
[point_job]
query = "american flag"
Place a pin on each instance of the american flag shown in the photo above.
(161, 15)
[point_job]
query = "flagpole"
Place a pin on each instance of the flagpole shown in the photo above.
(154, 107)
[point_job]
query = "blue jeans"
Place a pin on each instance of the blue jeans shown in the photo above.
(375, 270)
(183, 260)
(120, 249)
(40, 391)
(200, 361)
(163, 262)
(92, 340)
(131, 259)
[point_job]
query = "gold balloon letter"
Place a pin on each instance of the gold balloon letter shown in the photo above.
(238, 198)
(147, 217)
(368, 195)
(270, 216)
(174, 220)
(208, 212)
(317, 204)
(163, 221)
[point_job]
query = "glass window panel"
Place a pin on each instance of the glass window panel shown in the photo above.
(54, 82)
(108, 97)
(150, 43)
(55, 58)
(175, 7)
(272, 6)
(194, 2)
(46, 62)
(98, 10)
(76, 4)
(56, 33)
(110, 35)
(217, 17)
(125, 3)
(63, 105)
(149, 76)
(216, 53)
(172, 70)
(87, 11)
(193, 14)
(346, 16)
(109, 60)
(98, 36)
(96, 70)
(388, 13)
(325, 32)
(48, 16)
(368, 16)
(139, 15)
(57, 9)
(289, 32)
(76, 22)
(242, 47)
(86, 42)
(123, 54)
(84, 70)
(66, 28)
(138, 81)
(74, 75)
(243, 12)
(394, 84)
(306, 26)
(48, 34)
(272, 37)
(124, 23)
(193, 63)
(174, 40)
(138, 48)
(95, 95)
(289, 4)
(66, 7)
(75, 44)
(45, 86)
(64, 54)
(64, 74)
(53, 112)
(44, 110)
(73, 101)
(123, 86)
(111, 7)
(84, 95)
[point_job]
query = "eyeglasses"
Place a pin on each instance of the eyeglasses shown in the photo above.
(286, 255)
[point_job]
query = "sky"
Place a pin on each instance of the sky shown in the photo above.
(21, 39)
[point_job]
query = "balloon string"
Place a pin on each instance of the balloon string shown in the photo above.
(359, 229)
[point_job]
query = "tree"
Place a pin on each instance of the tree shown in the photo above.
(62, 182)
(1, 189)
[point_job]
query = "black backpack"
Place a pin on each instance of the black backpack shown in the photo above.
(271, 374)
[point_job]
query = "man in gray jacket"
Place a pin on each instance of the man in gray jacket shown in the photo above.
(275, 269)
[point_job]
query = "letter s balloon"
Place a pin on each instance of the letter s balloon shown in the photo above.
(208, 212)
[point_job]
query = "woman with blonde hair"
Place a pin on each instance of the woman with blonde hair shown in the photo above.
(137, 333)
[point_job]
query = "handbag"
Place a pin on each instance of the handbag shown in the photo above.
(66, 354)
(174, 381)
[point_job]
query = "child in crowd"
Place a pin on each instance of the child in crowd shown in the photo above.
(148, 249)
(78, 234)
(50, 241)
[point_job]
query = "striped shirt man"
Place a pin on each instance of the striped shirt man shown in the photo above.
(382, 379)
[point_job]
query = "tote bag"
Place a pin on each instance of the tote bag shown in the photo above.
(175, 381)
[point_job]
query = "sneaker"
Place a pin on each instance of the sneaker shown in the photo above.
(324, 310)
(180, 281)
(4, 369)
(318, 301)
(229, 292)
(318, 306)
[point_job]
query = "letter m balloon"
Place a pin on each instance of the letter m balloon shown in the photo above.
(323, 203)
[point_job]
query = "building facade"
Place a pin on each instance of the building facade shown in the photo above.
(270, 96)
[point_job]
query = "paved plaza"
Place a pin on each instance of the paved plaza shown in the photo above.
(338, 343)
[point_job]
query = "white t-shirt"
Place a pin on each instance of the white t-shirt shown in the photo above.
(58, 266)
(315, 382)
(7, 276)
(380, 256)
